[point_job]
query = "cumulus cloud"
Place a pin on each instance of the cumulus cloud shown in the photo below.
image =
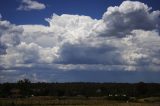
(121, 20)
(125, 39)
(9, 35)
(28, 5)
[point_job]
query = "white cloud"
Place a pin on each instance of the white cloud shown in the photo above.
(125, 39)
(9, 35)
(28, 5)
(119, 21)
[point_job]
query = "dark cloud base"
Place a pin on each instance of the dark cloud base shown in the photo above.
(83, 76)
(108, 76)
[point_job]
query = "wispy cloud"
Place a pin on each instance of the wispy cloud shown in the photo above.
(28, 5)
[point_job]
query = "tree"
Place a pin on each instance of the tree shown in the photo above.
(141, 89)
(24, 81)
(24, 86)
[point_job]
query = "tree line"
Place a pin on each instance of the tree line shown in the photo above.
(24, 88)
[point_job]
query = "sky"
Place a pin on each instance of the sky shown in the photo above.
(80, 40)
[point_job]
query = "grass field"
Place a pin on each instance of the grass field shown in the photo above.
(51, 101)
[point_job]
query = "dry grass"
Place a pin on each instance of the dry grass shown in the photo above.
(51, 101)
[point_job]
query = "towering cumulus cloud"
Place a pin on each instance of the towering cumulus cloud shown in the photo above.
(124, 44)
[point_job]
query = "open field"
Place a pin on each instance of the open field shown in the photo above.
(51, 101)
